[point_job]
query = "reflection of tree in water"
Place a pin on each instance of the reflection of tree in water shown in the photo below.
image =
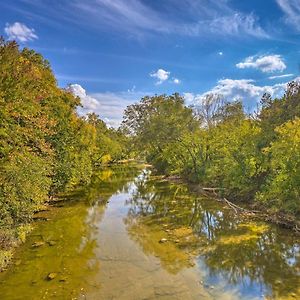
(241, 251)
(106, 182)
(68, 242)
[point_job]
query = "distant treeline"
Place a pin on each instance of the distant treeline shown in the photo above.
(45, 147)
(253, 158)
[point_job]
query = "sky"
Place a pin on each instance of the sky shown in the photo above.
(113, 52)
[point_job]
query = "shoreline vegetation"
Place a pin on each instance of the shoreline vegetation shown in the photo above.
(250, 159)
(248, 210)
(47, 149)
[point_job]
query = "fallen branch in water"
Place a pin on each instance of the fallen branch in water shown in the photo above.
(279, 219)
(235, 207)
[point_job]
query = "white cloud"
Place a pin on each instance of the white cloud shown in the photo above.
(190, 98)
(264, 63)
(242, 89)
(88, 103)
(238, 89)
(291, 9)
(20, 32)
(113, 104)
(281, 76)
(161, 75)
(109, 106)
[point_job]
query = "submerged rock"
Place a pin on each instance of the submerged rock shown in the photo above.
(51, 243)
(192, 264)
(63, 279)
(38, 244)
(51, 276)
(163, 240)
(18, 262)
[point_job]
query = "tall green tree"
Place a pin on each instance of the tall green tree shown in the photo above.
(159, 124)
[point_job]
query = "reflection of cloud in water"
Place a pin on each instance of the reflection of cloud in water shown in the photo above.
(250, 259)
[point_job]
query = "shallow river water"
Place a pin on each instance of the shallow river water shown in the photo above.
(131, 235)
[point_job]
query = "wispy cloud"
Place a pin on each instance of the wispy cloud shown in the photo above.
(281, 76)
(234, 24)
(264, 63)
(20, 32)
(72, 78)
(291, 9)
(137, 17)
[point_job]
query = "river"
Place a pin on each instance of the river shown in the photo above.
(133, 235)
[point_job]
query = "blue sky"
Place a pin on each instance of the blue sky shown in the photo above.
(116, 51)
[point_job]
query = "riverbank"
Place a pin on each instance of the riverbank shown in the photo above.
(10, 239)
(13, 237)
(259, 212)
(249, 210)
(46, 145)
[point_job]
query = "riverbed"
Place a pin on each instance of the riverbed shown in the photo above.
(134, 235)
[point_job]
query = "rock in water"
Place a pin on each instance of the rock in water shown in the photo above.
(38, 244)
(51, 276)
(163, 240)
(63, 279)
(51, 243)
(18, 262)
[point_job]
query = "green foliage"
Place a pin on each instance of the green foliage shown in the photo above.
(45, 147)
(111, 144)
(25, 182)
(218, 145)
(159, 125)
(282, 189)
(235, 161)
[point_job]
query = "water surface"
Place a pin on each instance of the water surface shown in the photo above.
(130, 235)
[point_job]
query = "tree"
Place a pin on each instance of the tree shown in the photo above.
(45, 147)
(158, 125)
(282, 191)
